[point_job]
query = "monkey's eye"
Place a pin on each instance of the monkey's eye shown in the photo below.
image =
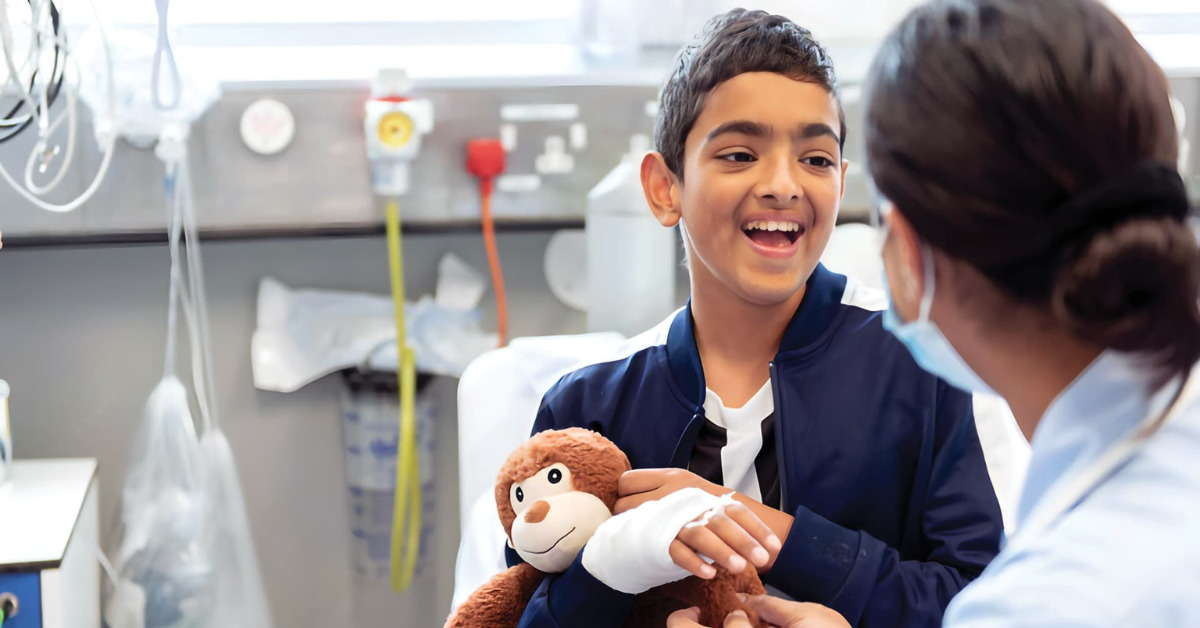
(555, 476)
(520, 494)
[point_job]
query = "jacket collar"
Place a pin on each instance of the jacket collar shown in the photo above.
(823, 294)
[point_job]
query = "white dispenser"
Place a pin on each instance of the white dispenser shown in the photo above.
(631, 257)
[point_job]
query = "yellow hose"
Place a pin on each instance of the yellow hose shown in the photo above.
(406, 514)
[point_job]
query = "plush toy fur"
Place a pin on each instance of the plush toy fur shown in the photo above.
(595, 465)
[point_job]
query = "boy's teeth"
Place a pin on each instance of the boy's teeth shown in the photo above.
(765, 225)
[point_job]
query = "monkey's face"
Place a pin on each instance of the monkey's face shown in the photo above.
(554, 520)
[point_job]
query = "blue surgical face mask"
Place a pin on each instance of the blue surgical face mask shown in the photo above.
(926, 342)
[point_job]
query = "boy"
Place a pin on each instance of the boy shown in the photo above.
(778, 380)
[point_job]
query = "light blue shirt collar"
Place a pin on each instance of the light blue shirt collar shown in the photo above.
(1108, 400)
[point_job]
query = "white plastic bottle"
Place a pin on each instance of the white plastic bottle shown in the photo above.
(631, 258)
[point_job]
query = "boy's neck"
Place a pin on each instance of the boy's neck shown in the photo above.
(737, 339)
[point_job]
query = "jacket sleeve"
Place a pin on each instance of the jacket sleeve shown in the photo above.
(867, 581)
(575, 599)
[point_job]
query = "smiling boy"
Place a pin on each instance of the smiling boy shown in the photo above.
(777, 381)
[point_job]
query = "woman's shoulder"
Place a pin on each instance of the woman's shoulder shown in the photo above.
(1129, 550)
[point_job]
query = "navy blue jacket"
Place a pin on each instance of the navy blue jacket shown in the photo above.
(879, 462)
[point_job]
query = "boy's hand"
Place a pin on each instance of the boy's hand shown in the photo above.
(631, 552)
(732, 536)
(642, 485)
(774, 611)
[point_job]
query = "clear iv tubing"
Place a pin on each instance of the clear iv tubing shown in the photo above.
(67, 156)
(45, 130)
(37, 17)
(189, 296)
(110, 145)
(173, 228)
(406, 511)
(13, 74)
(206, 386)
(163, 49)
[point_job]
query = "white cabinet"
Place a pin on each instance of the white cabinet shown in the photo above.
(49, 528)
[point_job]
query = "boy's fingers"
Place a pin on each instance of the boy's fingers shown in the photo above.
(736, 537)
(737, 619)
(641, 481)
(704, 541)
(689, 560)
(750, 522)
(685, 618)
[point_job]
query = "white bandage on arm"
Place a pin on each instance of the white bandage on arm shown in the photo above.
(718, 508)
(631, 552)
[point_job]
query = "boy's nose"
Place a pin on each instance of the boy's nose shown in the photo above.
(537, 512)
(780, 188)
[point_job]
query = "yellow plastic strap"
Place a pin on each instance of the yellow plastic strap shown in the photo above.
(406, 514)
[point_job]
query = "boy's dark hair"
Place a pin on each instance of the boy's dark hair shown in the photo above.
(737, 42)
(1034, 140)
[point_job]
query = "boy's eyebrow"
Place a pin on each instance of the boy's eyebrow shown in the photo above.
(758, 129)
(744, 127)
(813, 129)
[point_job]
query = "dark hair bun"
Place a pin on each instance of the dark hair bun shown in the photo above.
(1134, 289)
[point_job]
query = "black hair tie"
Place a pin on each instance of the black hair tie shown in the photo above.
(1150, 190)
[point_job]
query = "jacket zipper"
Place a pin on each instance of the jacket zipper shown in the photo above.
(784, 502)
(682, 456)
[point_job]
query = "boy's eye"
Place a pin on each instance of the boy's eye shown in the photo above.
(739, 157)
(819, 162)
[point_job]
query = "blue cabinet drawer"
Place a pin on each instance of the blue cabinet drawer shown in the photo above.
(28, 589)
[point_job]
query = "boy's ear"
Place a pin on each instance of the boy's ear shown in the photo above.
(845, 169)
(661, 187)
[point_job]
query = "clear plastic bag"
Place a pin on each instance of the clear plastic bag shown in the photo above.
(303, 335)
(161, 549)
(237, 584)
(182, 554)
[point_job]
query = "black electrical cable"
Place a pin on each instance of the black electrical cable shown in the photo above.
(8, 607)
(57, 73)
(58, 69)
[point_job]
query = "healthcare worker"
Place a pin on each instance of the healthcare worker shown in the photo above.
(1036, 245)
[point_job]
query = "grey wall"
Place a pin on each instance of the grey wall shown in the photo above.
(81, 343)
(322, 179)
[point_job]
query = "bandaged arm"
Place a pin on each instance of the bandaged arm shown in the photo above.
(629, 554)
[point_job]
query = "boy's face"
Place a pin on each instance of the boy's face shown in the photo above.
(762, 182)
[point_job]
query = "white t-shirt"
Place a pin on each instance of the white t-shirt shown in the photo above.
(736, 446)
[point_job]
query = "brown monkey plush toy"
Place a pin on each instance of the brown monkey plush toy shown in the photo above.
(553, 493)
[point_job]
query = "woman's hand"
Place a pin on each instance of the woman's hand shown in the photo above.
(774, 611)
